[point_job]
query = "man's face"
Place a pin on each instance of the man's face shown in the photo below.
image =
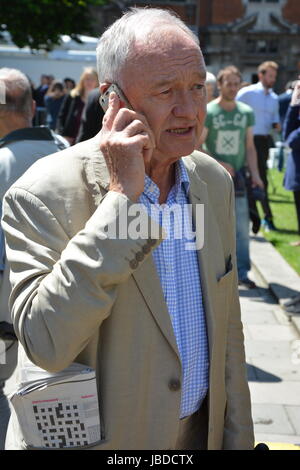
(229, 86)
(268, 78)
(164, 80)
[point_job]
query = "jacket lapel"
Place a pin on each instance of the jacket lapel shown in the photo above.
(148, 283)
(211, 246)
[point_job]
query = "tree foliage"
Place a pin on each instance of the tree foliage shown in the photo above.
(39, 23)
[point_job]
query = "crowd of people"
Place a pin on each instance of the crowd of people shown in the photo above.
(60, 103)
(76, 295)
(273, 116)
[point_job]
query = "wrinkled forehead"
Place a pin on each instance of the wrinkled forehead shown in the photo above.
(163, 39)
(163, 48)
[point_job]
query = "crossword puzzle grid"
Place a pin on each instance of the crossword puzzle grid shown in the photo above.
(60, 425)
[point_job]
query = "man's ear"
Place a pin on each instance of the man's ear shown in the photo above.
(103, 87)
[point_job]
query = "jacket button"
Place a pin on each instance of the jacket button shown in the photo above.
(133, 264)
(174, 385)
(139, 256)
(146, 249)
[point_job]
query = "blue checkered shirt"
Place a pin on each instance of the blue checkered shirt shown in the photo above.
(179, 275)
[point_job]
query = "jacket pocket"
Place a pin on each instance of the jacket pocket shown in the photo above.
(225, 278)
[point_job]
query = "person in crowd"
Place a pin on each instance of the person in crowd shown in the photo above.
(264, 103)
(51, 79)
(228, 137)
(69, 116)
(284, 100)
(92, 116)
(291, 134)
(211, 86)
(53, 101)
(41, 90)
(38, 96)
(69, 84)
(158, 320)
(20, 146)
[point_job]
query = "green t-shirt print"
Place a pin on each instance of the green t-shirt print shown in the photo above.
(226, 138)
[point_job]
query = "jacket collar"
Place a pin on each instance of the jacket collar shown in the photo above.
(27, 133)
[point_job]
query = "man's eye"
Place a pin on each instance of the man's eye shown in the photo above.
(198, 86)
(166, 92)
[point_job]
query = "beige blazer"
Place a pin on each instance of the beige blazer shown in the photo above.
(78, 296)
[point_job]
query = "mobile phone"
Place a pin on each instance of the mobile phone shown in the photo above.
(103, 100)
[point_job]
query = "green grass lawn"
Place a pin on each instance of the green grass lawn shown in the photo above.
(285, 220)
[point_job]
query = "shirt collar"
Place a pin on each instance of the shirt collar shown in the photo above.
(261, 87)
(182, 181)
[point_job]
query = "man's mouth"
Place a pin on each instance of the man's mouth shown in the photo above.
(180, 130)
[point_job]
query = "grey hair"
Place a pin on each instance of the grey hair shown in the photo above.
(17, 92)
(137, 23)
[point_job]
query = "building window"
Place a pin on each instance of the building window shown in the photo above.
(273, 46)
(251, 46)
(262, 46)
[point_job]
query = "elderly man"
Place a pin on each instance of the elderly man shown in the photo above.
(20, 146)
(157, 320)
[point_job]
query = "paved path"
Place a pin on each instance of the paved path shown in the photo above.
(272, 343)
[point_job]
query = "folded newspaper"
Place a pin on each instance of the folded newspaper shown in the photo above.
(57, 410)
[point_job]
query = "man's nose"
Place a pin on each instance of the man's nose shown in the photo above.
(185, 106)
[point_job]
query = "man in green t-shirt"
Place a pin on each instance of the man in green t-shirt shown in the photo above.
(228, 137)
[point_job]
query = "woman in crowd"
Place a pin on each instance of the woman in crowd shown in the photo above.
(68, 121)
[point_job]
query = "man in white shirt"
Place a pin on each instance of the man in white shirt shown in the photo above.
(265, 105)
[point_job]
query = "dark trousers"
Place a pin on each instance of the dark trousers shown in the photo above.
(262, 145)
(297, 204)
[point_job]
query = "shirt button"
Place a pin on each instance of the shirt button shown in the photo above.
(174, 385)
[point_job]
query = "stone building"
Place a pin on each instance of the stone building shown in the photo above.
(248, 32)
(240, 32)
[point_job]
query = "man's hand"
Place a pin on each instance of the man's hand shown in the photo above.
(257, 181)
(127, 144)
(295, 100)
